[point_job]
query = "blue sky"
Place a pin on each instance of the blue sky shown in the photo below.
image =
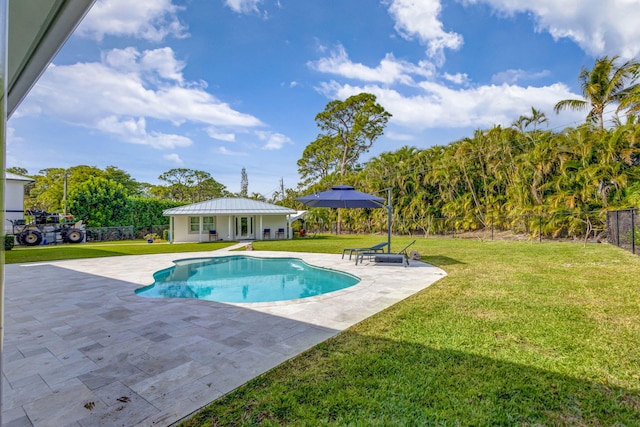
(218, 85)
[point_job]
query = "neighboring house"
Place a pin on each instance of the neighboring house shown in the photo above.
(13, 198)
(229, 219)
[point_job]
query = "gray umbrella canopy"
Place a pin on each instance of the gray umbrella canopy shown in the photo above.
(346, 196)
(342, 196)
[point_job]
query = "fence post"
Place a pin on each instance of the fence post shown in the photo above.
(618, 228)
(633, 234)
(540, 227)
(608, 226)
(492, 227)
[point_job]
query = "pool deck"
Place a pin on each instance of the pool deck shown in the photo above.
(80, 349)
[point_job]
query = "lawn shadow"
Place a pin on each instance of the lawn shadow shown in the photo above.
(45, 255)
(311, 236)
(355, 379)
(439, 260)
(82, 348)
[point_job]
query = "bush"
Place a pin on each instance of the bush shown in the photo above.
(9, 242)
(146, 213)
(151, 237)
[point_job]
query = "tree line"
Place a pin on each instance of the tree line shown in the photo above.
(500, 176)
(111, 197)
(503, 176)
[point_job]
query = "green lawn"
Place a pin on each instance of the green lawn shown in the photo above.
(21, 254)
(518, 333)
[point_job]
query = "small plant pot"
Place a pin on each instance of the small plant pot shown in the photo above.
(149, 240)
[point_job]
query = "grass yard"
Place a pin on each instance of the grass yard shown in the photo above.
(519, 333)
(21, 254)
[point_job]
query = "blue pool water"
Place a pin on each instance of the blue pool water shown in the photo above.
(245, 279)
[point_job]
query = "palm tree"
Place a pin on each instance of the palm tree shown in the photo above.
(607, 83)
(537, 118)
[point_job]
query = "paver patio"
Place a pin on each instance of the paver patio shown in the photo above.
(81, 349)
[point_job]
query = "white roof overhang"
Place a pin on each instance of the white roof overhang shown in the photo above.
(37, 30)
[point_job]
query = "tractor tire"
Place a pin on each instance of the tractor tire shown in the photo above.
(74, 236)
(31, 237)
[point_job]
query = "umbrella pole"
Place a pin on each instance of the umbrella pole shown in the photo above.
(389, 213)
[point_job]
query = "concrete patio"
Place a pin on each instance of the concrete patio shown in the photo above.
(81, 349)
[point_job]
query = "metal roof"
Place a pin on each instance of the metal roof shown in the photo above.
(229, 206)
(14, 177)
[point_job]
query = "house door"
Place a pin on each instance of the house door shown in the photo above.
(244, 227)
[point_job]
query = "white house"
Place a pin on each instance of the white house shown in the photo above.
(229, 219)
(13, 198)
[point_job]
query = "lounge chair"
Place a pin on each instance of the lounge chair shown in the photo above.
(377, 248)
(394, 258)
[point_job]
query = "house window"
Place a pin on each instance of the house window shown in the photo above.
(208, 223)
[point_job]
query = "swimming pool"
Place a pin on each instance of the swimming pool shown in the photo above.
(241, 278)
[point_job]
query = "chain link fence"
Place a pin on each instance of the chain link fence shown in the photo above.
(620, 228)
(586, 227)
(128, 232)
(161, 230)
(623, 229)
(108, 234)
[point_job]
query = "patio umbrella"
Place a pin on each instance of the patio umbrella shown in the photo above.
(346, 196)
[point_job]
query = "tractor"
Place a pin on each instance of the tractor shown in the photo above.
(49, 227)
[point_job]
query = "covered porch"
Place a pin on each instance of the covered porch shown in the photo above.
(229, 219)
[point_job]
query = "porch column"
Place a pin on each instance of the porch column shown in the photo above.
(171, 229)
(200, 230)
(261, 231)
(230, 236)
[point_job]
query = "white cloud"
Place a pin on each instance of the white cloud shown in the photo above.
(390, 70)
(173, 158)
(438, 106)
(274, 141)
(243, 6)
(514, 76)
(399, 136)
(458, 78)
(428, 99)
(11, 137)
(216, 134)
(421, 19)
(127, 89)
(227, 152)
(151, 20)
(598, 27)
(163, 62)
(155, 65)
(135, 131)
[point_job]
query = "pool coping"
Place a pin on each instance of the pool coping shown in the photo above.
(147, 361)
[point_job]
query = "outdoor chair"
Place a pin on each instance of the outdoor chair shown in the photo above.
(377, 248)
(280, 233)
(266, 233)
(213, 235)
(391, 258)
